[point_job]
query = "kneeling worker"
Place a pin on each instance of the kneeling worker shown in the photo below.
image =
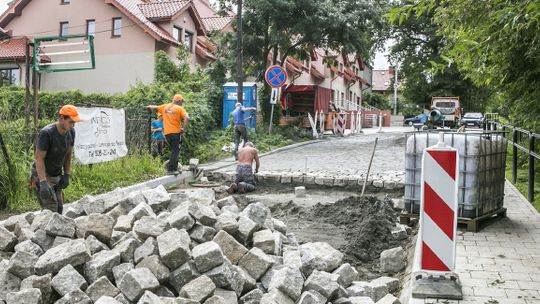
(52, 166)
(245, 180)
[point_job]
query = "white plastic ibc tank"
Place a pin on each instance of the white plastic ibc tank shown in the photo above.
(482, 159)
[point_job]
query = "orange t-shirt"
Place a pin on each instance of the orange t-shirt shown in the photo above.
(172, 117)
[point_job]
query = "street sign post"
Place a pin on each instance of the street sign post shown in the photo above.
(276, 77)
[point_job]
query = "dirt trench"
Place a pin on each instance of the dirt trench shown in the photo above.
(361, 228)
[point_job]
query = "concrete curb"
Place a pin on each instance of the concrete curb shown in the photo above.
(309, 179)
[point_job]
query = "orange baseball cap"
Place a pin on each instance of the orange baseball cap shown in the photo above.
(178, 97)
(71, 111)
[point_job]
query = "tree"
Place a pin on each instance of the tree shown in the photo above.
(419, 48)
(279, 28)
(493, 43)
(375, 100)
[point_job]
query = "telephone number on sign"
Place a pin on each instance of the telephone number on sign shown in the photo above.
(102, 152)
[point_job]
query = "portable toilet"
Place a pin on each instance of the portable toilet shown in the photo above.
(249, 100)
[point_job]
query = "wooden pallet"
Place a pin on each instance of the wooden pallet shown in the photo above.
(473, 225)
(405, 218)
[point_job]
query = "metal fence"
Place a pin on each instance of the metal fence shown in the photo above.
(19, 135)
(523, 141)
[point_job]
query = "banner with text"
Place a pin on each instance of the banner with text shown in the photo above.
(100, 135)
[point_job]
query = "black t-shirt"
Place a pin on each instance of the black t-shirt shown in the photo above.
(56, 145)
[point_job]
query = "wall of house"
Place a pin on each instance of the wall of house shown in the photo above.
(184, 21)
(343, 90)
(204, 8)
(120, 62)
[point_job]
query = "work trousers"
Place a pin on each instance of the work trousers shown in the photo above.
(240, 130)
(174, 140)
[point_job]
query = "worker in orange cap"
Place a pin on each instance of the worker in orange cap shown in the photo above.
(52, 166)
(175, 121)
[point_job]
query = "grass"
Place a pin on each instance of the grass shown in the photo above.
(104, 177)
(522, 183)
(94, 179)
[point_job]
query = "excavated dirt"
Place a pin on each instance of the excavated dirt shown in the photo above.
(359, 227)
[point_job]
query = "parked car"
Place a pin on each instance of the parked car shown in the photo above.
(473, 120)
(422, 118)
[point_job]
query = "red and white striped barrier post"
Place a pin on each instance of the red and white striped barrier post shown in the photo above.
(438, 221)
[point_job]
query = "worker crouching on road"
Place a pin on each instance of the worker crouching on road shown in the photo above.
(52, 166)
(175, 121)
(245, 180)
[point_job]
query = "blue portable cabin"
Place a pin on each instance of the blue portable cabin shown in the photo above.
(230, 98)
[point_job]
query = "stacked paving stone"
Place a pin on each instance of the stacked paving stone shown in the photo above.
(151, 247)
(392, 180)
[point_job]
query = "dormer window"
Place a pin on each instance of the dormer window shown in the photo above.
(188, 40)
(177, 33)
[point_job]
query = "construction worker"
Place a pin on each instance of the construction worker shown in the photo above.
(245, 180)
(240, 126)
(175, 122)
(52, 166)
(158, 138)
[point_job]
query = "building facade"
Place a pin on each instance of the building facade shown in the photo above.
(127, 34)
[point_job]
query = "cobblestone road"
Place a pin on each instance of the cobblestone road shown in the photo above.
(340, 156)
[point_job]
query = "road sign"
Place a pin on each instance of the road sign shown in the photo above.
(274, 96)
(276, 76)
(439, 208)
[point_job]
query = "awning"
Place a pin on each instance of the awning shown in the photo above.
(315, 73)
(349, 75)
(321, 99)
(204, 53)
(294, 65)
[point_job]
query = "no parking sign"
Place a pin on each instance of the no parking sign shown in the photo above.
(276, 77)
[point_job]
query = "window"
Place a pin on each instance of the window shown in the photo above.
(9, 77)
(342, 96)
(177, 33)
(90, 27)
(65, 1)
(188, 40)
(117, 27)
(306, 62)
(64, 28)
(341, 67)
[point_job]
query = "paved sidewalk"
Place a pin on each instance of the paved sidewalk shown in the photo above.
(501, 263)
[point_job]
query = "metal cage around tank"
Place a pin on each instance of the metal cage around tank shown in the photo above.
(481, 171)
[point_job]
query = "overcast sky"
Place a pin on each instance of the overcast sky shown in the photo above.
(379, 63)
(3, 5)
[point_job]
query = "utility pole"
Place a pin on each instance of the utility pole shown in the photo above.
(239, 55)
(395, 88)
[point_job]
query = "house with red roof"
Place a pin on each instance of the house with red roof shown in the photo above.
(127, 34)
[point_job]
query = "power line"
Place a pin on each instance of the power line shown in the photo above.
(95, 32)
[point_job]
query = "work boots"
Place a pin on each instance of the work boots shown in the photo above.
(232, 188)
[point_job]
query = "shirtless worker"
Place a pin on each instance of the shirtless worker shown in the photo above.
(245, 180)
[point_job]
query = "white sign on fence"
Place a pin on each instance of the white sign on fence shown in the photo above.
(101, 135)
